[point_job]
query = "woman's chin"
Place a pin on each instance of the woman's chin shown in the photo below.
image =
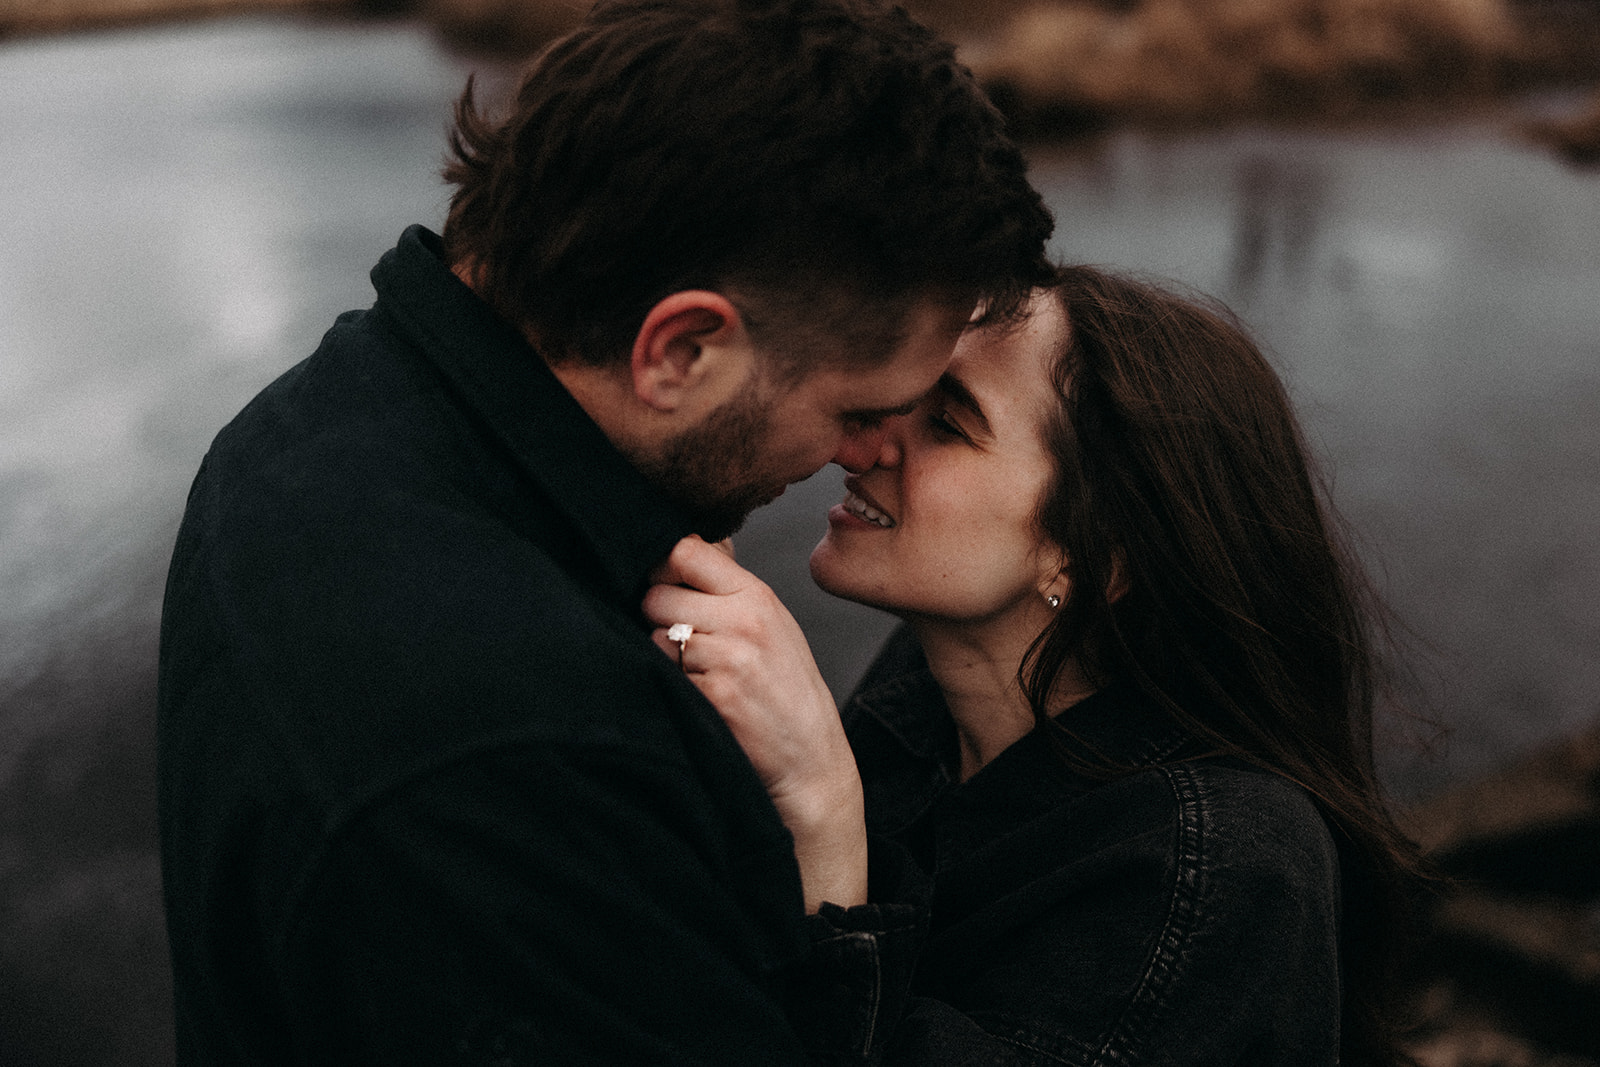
(825, 566)
(831, 570)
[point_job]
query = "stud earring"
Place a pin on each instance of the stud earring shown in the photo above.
(1053, 600)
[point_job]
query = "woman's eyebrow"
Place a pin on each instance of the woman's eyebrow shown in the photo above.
(956, 390)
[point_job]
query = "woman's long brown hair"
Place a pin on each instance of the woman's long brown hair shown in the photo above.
(1208, 573)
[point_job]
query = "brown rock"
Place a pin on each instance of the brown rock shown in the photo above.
(30, 17)
(1575, 138)
(1508, 970)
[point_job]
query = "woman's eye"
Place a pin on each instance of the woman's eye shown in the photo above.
(944, 425)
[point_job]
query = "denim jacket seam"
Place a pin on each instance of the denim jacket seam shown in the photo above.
(1030, 1046)
(854, 935)
(875, 1003)
(1121, 1044)
(885, 703)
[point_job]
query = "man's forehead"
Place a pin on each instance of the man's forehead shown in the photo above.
(887, 381)
(900, 381)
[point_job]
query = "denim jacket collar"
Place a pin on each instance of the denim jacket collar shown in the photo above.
(1112, 728)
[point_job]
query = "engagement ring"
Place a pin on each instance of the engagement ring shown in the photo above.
(680, 632)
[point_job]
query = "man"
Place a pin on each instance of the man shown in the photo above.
(428, 792)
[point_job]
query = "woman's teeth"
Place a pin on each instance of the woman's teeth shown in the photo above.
(856, 506)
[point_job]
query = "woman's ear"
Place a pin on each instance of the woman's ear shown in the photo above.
(1117, 587)
(687, 346)
(1056, 585)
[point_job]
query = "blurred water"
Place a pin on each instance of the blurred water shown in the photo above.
(184, 210)
(1433, 297)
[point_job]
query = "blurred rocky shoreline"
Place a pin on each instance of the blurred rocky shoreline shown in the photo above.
(1071, 67)
(1508, 969)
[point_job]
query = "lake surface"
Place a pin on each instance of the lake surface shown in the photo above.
(183, 211)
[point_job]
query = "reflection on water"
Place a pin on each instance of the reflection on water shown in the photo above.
(183, 211)
(1277, 205)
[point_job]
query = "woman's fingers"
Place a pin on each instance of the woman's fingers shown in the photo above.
(704, 566)
(667, 604)
(749, 658)
(747, 654)
(702, 586)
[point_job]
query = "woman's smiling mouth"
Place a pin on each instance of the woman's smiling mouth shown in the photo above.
(859, 507)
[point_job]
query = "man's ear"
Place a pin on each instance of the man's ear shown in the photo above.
(469, 270)
(689, 341)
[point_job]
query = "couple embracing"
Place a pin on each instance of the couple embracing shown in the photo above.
(477, 748)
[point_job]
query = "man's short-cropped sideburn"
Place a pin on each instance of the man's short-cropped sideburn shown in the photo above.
(730, 144)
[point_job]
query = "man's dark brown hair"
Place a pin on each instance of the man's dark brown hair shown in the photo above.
(825, 163)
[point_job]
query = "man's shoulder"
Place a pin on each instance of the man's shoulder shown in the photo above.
(359, 378)
(354, 554)
(359, 445)
(368, 580)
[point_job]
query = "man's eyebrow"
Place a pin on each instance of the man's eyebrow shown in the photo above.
(956, 390)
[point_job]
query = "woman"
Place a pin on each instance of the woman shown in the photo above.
(1121, 780)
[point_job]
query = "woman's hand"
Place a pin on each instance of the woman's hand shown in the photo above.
(750, 659)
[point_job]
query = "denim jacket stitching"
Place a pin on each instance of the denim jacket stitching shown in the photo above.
(875, 1005)
(1031, 1047)
(888, 703)
(1123, 1041)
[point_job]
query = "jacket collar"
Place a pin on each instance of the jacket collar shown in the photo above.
(630, 525)
(1114, 728)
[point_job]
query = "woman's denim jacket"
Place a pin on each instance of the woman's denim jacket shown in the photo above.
(1185, 913)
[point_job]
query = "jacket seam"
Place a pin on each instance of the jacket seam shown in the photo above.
(877, 996)
(1189, 886)
(1035, 1049)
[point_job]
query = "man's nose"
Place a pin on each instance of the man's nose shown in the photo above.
(877, 446)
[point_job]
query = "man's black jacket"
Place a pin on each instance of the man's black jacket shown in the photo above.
(429, 794)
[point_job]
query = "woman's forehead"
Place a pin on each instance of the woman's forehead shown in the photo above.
(1003, 360)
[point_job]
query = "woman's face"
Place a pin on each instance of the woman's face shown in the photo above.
(943, 526)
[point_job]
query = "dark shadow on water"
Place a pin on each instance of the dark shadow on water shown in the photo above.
(84, 979)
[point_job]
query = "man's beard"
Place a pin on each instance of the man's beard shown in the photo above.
(712, 469)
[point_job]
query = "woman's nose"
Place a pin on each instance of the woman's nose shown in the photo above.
(891, 446)
(860, 448)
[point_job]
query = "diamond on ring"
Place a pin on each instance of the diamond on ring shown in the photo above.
(680, 632)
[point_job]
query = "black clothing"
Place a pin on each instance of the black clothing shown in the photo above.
(1184, 914)
(429, 795)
